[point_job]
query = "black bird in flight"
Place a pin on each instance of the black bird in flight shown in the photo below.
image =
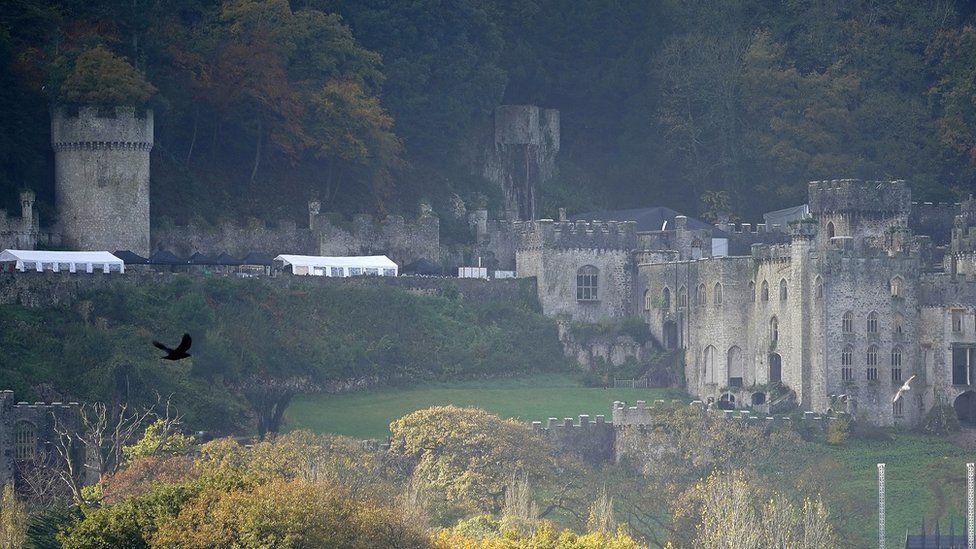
(180, 352)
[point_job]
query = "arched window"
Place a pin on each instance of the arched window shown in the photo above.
(847, 323)
(752, 291)
(682, 298)
(872, 362)
(818, 288)
(872, 322)
(765, 291)
(847, 363)
(735, 366)
(587, 282)
(701, 299)
(899, 327)
(830, 230)
(896, 364)
(709, 364)
(25, 440)
(647, 300)
(717, 294)
(773, 330)
(782, 289)
(666, 299)
(896, 284)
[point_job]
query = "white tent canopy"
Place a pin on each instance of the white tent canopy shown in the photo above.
(376, 265)
(41, 260)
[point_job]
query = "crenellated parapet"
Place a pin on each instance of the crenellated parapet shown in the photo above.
(97, 128)
(945, 290)
(598, 235)
(643, 415)
(855, 196)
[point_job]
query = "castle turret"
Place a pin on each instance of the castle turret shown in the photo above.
(102, 177)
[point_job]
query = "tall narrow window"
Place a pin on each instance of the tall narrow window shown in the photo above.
(647, 300)
(682, 298)
(847, 363)
(872, 363)
(587, 281)
(896, 284)
(701, 299)
(717, 294)
(847, 323)
(782, 290)
(896, 364)
(710, 364)
(898, 408)
(735, 366)
(773, 330)
(830, 230)
(818, 288)
(957, 321)
(666, 299)
(25, 442)
(765, 291)
(872, 322)
(752, 291)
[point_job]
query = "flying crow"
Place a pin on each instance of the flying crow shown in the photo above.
(179, 352)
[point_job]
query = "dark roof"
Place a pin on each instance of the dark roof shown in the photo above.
(935, 541)
(423, 266)
(200, 259)
(130, 257)
(648, 219)
(165, 257)
(257, 258)
(226, 259)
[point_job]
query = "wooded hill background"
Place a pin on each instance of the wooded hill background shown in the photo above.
(372, 105)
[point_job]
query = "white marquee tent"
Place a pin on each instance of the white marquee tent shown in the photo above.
(72, 262)
(375, 265)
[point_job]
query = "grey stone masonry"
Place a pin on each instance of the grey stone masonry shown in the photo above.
(102, 177)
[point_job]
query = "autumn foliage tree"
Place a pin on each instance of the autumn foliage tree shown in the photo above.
(99, 77)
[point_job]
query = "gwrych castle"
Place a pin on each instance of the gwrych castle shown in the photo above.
(835, 303)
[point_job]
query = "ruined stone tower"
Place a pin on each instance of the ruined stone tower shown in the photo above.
(102, 177)
(522, 156)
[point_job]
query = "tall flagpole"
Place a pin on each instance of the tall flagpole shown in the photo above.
(970, 504)
(881, 506)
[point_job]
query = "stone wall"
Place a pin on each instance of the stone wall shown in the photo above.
(40, 417)
(101, 167)
(235, 239)
(401, 240)
(522, 156)
(49, 289)
(590, 440)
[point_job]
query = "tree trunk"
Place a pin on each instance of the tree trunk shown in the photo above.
(257, 152)
(193, 140)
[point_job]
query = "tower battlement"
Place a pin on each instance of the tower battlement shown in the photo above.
(862, 197)
(601, 235)
(92, 128)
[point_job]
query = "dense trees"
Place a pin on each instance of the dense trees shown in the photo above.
(373, 105)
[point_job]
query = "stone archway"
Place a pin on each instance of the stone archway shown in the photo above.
(965, 406)
(775, 368)
(726, 402)
(758, 399)
(670, 335)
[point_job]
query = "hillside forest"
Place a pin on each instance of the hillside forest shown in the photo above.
(372, 105)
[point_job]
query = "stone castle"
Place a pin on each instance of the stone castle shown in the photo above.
(833, 311)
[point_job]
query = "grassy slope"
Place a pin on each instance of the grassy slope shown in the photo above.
(368, 414)
(925, 476)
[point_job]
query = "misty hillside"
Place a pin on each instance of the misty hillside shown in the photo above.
(374, 105)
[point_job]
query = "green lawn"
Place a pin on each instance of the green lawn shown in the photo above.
(925, 477)
(368, 414)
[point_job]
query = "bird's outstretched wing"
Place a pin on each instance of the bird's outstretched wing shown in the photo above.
(184, 344)
(911, 379)
(159, 345)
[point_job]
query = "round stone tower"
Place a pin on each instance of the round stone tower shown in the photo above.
(101, 167)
